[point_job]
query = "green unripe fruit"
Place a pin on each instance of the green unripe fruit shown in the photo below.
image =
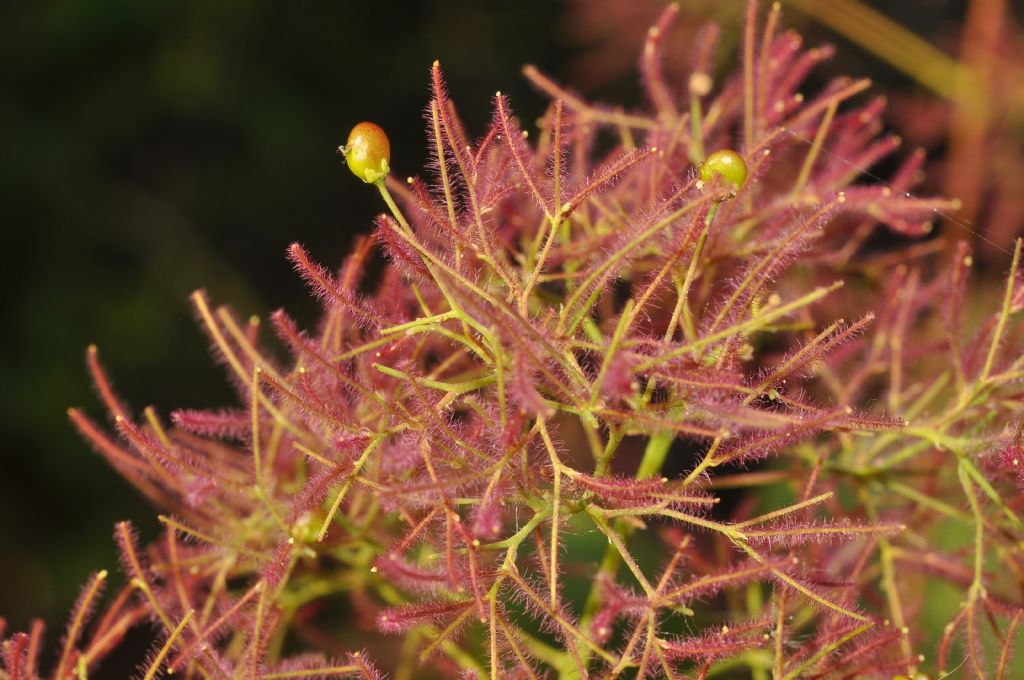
(725, 163)
(368, 152)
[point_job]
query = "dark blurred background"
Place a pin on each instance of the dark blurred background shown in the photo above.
(151, 148)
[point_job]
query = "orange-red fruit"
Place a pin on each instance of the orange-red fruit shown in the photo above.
(368, 152)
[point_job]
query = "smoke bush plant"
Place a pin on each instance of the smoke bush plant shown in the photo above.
(594, 331)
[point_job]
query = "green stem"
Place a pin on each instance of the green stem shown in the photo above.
(651, 463)
(1004, 314)
(691, 274)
